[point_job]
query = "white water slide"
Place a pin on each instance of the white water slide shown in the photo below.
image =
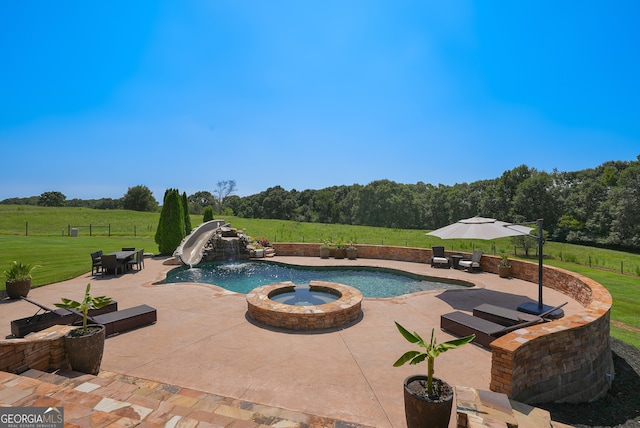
(191, 249)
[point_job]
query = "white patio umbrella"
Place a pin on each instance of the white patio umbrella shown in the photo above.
(490, 228)
(480, 228)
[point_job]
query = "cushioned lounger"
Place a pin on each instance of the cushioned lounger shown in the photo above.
(462, 324)
(127, 319)
(50, 317)
(503, 316)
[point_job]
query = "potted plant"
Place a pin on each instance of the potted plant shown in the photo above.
(85, 345)
(352, 251)
(504, 268)
(427, 400)
(325, 249)
(18, 279)
(340, 250)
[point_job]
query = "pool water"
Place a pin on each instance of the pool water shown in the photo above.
(244, 276)
(304, 296)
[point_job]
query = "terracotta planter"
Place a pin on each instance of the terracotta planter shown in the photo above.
(422, 412)
(17, 289)
(85, 352)
(340, 253)
(325, 252)
(504, 272)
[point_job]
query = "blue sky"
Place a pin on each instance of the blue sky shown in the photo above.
(101, 96)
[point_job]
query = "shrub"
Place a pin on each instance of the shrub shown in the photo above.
(171, 225)
(208, 214)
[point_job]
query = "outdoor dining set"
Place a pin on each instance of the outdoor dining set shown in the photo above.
(126, 260)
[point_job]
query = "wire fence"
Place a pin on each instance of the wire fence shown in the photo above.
(74, 230)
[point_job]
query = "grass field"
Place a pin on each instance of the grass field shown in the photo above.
(34, 235)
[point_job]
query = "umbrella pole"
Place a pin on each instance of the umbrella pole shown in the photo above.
(530, 307)
(540, 258)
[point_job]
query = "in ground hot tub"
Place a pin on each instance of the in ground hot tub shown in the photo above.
(320, 305)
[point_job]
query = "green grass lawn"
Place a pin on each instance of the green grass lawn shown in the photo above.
(63, 257)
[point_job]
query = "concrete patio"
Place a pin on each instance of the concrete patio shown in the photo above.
(204, 341)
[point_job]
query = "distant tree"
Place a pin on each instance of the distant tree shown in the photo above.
(199, 200)
(32, 200)
(139, 198)
(224, 189)
(51, 199)
(208, 214)
(187, 217)
(171, 225)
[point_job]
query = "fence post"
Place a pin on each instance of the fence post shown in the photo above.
(90, 230)
(26, 228)
(622, 267)
(109, 229)
(68, 230)
(134, 230)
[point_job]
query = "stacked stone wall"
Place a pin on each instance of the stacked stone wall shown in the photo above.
(42, 351)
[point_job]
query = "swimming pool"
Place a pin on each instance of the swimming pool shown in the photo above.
(244, 276)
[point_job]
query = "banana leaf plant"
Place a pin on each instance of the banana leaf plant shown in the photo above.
(87, 303)
(431, 350)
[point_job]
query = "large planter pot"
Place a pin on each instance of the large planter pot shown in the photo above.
(325, 252)
(85, 352)
(17, 289)
(422, 412)
(504, 271)
(340, 253)
(352, 253)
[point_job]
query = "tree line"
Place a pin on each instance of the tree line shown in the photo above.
(598, 206)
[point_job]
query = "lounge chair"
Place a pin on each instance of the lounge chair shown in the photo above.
(50, 317)
(474, 263)
(463, 324)
(439, 259)
(126, 319)
(503, 316)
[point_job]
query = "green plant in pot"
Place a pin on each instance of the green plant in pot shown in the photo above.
(340, 249)
(325, 249)
(427, 400)
(18, 279)
(352, 251)
(504, 267)
(85, 345)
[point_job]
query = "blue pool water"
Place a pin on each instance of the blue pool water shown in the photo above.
(242, 277)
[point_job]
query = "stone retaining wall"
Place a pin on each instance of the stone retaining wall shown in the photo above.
(43, 350)
(566, 360)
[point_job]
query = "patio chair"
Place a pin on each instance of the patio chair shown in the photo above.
(110, 264)
(96, 262)
(439, 259)
(474, 263)
(138, 260)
